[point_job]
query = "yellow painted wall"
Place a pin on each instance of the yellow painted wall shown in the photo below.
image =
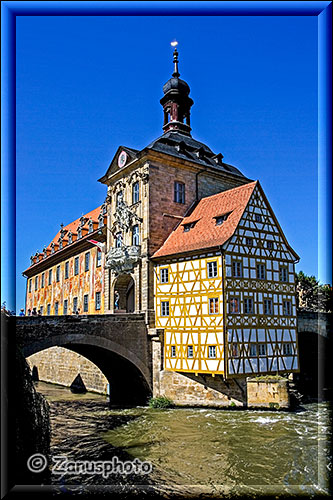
(85, 282)
(190, 322)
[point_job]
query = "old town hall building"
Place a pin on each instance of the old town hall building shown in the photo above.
(190, 241)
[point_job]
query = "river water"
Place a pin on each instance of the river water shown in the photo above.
(210, 451)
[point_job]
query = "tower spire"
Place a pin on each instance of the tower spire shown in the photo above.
(175, 73)
(176, 101)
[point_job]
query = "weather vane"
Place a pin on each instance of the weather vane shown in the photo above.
(174, 43)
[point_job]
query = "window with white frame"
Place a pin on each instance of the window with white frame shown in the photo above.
(135, 192)
(286, 308)
(179, 192)
(97, 301)
(253, 350)
(283, 274)
(99, 257)
(119, 198)
(79, 233)
(173, 351)
(214, 305)
(234, 305)
(262, 349)
(237, 269)
(70, 237)
(248, 305)
(91, 227)
(287, 349)
(76, 266)
(261, 271)
(87, 261)
(165, 308)
(119, 240)
(268, 306)
(212, 351)
(190, 351)
(212, 269)
(164, 275)
(135, 235)
(66, 270)
(85, 303)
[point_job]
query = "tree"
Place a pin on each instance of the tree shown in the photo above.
(311, 295)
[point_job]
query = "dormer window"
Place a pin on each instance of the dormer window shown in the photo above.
(100, 220)
(200, 153)
(218, 158)
(104, 209)
(82, 221)
(79, 233)
(45, 252)
(91, 226)
(189, 225)
(70, 237)
(52, 247)
(60, 243)
(221, 218)
(32, 260)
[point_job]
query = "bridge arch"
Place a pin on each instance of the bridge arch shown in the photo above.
(128, 378)
(117, 344)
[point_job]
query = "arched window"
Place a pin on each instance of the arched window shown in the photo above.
(100, 220)
(119, 240)
(135, 192)
(135, 235)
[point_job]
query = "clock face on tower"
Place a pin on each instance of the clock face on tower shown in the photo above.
(122, 158)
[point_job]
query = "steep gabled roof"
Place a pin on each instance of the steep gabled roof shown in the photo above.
(206, 233)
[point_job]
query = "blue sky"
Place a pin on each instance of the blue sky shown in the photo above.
(86, 85)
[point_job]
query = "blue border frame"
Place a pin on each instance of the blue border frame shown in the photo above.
(11, 9)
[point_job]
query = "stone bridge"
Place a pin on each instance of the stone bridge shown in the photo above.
(117, 343)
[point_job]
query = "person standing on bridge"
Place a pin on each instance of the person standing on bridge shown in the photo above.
(116, 299)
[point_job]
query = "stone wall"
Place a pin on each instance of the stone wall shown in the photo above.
(201, 390)
(58, 365)
(268, 393)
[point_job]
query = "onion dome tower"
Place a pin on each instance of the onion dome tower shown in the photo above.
(176, 102)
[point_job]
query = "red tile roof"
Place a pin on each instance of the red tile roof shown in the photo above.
(73, 227)
(206, 233)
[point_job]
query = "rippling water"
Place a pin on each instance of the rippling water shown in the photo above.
(205, 449)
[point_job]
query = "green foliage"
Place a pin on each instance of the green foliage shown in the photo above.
(269, 377)
(311, 295)
(160, 402)
(274, 406)
(232, 403)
